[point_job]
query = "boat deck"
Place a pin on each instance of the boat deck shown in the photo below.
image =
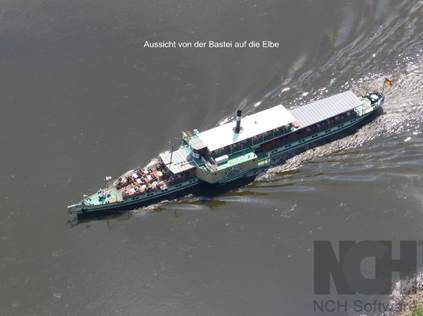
(106, 196)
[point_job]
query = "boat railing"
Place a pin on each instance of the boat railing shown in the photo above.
(210, 167)
(363, 108)
(143, 180)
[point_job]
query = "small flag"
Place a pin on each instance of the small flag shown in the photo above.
(388, 82)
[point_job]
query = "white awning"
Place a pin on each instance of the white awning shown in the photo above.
(179, 161)
(321, 110)
(252, 125)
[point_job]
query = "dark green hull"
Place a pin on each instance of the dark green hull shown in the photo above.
(272, 157)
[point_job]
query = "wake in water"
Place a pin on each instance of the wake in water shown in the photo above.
(363, 56)
(401, 122)
(403, 110)
(402, 119)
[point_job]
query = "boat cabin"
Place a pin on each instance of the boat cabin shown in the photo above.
(224, 139)
(211, 154)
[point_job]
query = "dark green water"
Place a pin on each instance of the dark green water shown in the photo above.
(81, 98)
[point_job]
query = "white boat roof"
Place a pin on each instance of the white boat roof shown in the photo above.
(321, 110)
(179, 161)
(252, 125)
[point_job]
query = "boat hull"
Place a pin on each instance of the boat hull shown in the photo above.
(201, 188)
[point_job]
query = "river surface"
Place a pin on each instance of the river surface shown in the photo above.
(81, 99)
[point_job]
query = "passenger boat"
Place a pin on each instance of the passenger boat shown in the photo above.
(236, 150)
